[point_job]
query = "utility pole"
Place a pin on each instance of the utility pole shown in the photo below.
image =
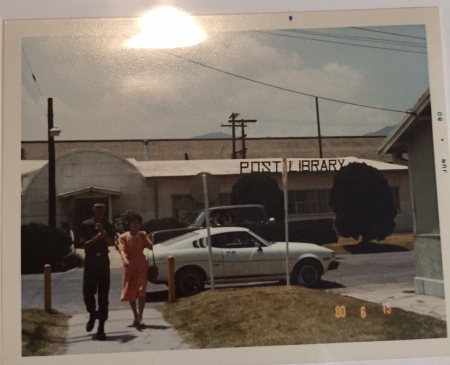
(242, 123)
(233, 117)
(318, 127)
(51, 168)
(243, 135)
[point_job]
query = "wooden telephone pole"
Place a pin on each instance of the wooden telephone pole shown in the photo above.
(236, 123)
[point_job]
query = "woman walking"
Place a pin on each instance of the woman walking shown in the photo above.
(131, 246)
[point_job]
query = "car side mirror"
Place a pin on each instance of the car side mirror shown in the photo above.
(257, 244)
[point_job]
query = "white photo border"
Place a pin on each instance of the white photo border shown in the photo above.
(15, 30)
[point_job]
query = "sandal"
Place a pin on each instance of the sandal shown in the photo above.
(136, 323)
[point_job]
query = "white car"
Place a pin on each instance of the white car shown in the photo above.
(238, 255)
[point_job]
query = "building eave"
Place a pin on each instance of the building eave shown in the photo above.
(397, 140)
(89, 190)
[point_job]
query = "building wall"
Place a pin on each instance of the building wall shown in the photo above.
(168, 187)
(153, 197)
(200, 149)
(427, 243)
(78, 170)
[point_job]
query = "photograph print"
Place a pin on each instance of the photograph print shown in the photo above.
(272, 166)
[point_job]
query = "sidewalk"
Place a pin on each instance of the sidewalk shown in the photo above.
(398, 296)
(122, 336)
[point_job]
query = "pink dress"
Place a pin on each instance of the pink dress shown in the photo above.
(135, 274)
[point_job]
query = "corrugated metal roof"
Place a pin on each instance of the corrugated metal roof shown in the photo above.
(181, 168)
(235, 167)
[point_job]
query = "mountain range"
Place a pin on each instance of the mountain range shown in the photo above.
(220, 135)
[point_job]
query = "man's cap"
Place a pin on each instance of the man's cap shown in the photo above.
(99, 205)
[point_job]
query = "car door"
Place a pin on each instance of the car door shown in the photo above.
(243, 256)
(201, 248)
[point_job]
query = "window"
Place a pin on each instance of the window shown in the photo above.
(317, 201)
(309, 201)
(233, 240)
(185, 208)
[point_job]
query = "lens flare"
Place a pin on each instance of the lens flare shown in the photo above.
(167, 27)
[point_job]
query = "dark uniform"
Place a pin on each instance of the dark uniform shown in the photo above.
(96, 278)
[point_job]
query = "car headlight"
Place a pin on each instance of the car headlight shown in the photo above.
(333, 255)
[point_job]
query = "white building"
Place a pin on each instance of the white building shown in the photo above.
(159, 189)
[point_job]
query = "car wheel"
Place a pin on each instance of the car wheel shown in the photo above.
(189, 281)
(307, 273)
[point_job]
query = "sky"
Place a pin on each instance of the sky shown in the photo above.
(103, 90)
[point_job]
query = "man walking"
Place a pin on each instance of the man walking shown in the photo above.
(96, 235)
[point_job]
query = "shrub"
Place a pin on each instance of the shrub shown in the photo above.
(259, 188)
(71, 261)
(41, 245)
(362, 201)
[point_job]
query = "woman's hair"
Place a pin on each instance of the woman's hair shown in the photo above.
(135, 217)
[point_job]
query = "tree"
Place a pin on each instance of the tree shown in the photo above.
(362, 201)
(259, 188)
(41, 245)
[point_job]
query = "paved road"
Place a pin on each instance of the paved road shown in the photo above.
(369, 269)
(355, 271)
(67, 289)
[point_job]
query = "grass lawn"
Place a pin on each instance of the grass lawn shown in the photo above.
(43, 333)
(394, 243)
(280, 315)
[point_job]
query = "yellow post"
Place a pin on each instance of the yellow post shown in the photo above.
(47, 288)
(171, 278)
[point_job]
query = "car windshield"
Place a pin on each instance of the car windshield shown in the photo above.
(199, 220)
(179, 238)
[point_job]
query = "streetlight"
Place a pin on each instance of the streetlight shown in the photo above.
(52, 133)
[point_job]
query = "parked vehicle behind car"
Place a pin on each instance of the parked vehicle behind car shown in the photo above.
(239, 255)
(254, 217)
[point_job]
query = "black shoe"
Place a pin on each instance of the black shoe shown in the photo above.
(90, 324)
(101, 331)
(101, 336)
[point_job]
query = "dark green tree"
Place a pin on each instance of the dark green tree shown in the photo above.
(41, 245)
(259, 188)
(362, 201)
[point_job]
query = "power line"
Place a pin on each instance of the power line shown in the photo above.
(348, 44)
(358, 38)
(32, 92)
(35, 95)
(31, 70)
(286, 89)
(391, 33)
